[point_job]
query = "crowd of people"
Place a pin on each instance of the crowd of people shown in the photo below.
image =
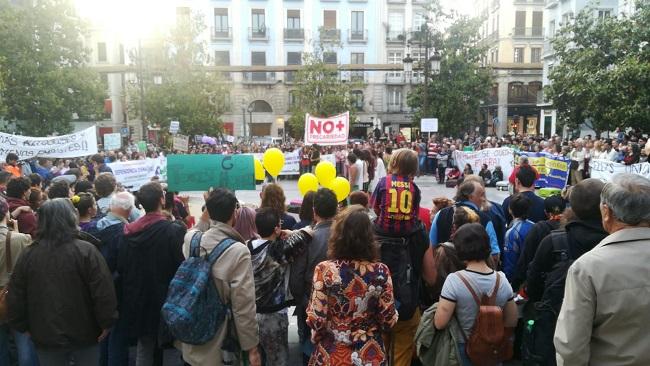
(89, 268)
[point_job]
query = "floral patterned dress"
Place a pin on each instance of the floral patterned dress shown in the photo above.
(351, 305)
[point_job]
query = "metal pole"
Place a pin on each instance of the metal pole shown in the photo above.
(243, 110)
(250, 126)
(141, 82)
(425, 102)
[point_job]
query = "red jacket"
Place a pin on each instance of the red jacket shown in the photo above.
(27, 221)
(513, 175)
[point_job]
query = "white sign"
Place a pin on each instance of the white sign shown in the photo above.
(135, 173)
(332, 130)
(292, 161)
(82, 143)
(181, 142)
(112, 141)
(429, 125)
(174, 126)
(605, 169)
(503, 157)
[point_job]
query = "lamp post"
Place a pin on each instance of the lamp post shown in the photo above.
(243, 126)
(250, 120)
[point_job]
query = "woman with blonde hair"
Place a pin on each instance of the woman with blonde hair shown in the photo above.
(273, 197)
(352, 300)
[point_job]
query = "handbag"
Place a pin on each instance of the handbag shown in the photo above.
(4, 309)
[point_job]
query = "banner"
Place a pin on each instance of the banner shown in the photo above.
(292, 161)
(181, 142)
(553, 170)
(605, 169)
(502, 156)
(332, 130)
(82, 143)
(201, 171)
(135, 173)
(429, 124)
(112, 141)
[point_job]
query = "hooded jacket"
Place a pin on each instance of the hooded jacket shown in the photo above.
(147, 262)
(26, 220)
(582, 236)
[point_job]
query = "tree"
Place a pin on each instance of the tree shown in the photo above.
(603, 75)
(319, 89)
(454, 96)
(186, 92)
(45, 77)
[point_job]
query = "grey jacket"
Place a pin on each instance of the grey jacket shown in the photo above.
(604, 318)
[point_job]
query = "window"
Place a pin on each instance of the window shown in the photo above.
(329, 58)
(537, 23)
(520, 23)
(258, 21)
(395, 25)
(535, 55)
(566, 18)
(551, 28)
(220, 20)
(258, 59)
(329, 19)
(292, 99)
(357, 25)
(357, 99)
(293, 58)
(519, 55)
(419, 58)
(602, 14)
(121, 54)
(293, 19)
(418, 21)
(357, 58)
(222, 58)
(101, 52)
(394, 97)
(394, 58)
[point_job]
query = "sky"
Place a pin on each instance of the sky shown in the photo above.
(461, 6)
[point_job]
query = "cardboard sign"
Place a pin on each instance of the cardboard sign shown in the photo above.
(327, 131)
(82, 143)
(429, 125)
(200, 172)
(174, 127)
(181, 142)
(112, 141)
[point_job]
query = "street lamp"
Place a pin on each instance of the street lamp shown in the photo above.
(250, 120)
(434, 63)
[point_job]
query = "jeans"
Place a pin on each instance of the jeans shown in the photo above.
(422, 160)
(24, 346)
(63, 357)
(464, 358)
(114, 349)
(431, 165)
(441, 174)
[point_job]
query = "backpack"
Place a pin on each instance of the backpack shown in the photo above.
(194, 310)
(537, 347)
(488, 344)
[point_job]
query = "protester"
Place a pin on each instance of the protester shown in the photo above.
(5, 176)
(87, 209)
(493, 210)
(245, 223)
(515, 238)
(12, 165)
(233, 277)
(306, 214)
(473, 247)
(604, 317)
(577, 166)
(302, 269)
(61, 291)
(59, 189)
(468, 170)
(147, 262)
(273, 197)
(354, 173)
(271, 255)
(525, 185)
(314, 157)
(18, 192)
(443, 164)
(353, 334)
(99, 165)
(485, 174)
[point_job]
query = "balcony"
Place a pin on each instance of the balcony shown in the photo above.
(330, 34)
(396, 36)
(220, 34)
(530, 32)
(417, 79)
(395, 78)
(357, 35)
(259, 77)
(490, 39)
(548, 48)
(294, 34)
(258, 34)
(394, 107)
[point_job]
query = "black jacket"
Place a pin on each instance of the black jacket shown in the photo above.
(147, 262)
(62, 295)
(582, 236)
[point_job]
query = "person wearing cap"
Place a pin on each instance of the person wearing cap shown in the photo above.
(15, 242)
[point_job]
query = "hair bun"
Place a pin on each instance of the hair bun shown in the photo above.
(76, 199)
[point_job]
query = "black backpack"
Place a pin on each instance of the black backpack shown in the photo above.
(401, 255)
(537, 347)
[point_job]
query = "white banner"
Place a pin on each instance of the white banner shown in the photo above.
(292, 161)
(112, 141)
(429, 125)
(503, 157)
(135, 173)
(332, 130)
(605, 169)
(181, 142)
(82, 143)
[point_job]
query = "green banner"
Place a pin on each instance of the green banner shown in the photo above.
(202, 171)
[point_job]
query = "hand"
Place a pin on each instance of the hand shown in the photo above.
(254, 357)
(103, 335)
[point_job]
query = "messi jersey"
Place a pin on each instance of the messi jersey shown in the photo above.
(396, 202)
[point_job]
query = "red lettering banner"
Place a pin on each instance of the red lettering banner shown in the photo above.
(332, 130)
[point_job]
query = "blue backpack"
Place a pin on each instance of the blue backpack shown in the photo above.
(194, 310)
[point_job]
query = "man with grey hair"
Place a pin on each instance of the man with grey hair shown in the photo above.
(110, 230)
(604, 318)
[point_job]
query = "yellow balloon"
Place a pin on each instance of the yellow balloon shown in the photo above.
(325, 172)
(341, 188)
(307, 182)
(273, 161)
(259, 170)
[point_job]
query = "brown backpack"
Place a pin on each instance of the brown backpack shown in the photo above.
(488, 345)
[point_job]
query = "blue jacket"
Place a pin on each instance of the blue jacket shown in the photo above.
(514, 245)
